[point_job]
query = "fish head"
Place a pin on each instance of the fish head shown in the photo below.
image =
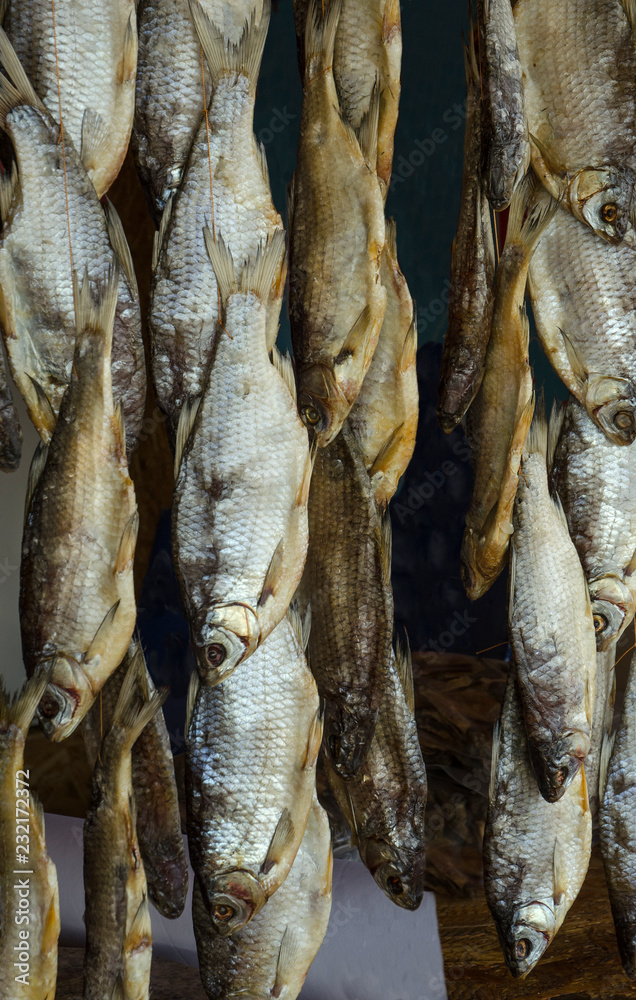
(226, 636)
(400, 875)
(525, 938)
(625, 927)
(347, 738)
(506, 166)
(601, 198)
(611, 403)
(232, 900)
(66, 699)
(167, 884)
(556, 765)
(613, 606)
(321, 403)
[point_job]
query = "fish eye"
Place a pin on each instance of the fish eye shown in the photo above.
(310, 415)
(215, 654)
(600, 623)
(523, 948)
(223, 912)
(609, 212)
(48, 707)
(394, 885)
(623, 420)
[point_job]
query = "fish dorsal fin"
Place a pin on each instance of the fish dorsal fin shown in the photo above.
(262, 160)
(102, 636)
(404, 667)
(273, 575)
(606, 755)
(96, 139)
(306, 628)
(296, 622)
(187, 417)
(224, 58)
(367, 133)
(20, 710)
(409, 348)
(386, 543)
(160, 235)
(193, 690)
(126, 552)
(137, 660)
(35, 471)
(44, 404)
(555, 427)
(574, 358)
(281, 841)
(558, 508)
(494, 760)
(283, 365)
(314, 741)
(222, 264)
(320, 37)
(390, 237)
(17, 89)
(119, 244)
(128, 70)
(288, 957)
(9, 188)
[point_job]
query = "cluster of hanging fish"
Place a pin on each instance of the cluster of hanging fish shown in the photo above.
(283, 474)
(551, 134)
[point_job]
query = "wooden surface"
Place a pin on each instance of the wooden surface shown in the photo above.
(168, 981)
(582, 962)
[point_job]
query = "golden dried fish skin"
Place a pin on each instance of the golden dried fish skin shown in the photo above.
(271, 955)
(82, 56)
(471, 297)
(582, 294)
(77, 601)
(336, 224)
(551, 626)
(243, 481)
(347, 584)
(173, 85)
(536, 853)
(154, 787)
(28, 878)
(118, 932)
(385, 802)
(251, 748)
(384, 416)
(236, 204)
(596, 482)
(36, 263)
(579, 65)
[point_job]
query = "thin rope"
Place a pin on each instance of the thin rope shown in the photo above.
(488, 648)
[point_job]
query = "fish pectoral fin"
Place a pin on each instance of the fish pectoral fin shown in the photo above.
(287, 960)
(187, 417)
(384, 458)
(193, 690)
(158, 238)
(95, 139)
(576, 364)
(606, 754)
(262, 162)
(101, 637)
(555, 427)
(126, 552)
(409, 349)
(283, 365)
(280, 843)
(17, 89)
(35, 471)
(559, 870)
(367, 132)
(51, 929)
(404, 666)
(357, 335)
(9, 190)
(139, 936)
(302, 494)
(128, 66)
(629, 6)
(273, 575)
(386, 547)
(494, 760)
(47, 416)
(313, 742)
(119, 244)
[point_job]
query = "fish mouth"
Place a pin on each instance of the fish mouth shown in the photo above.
(611, 403)
(66, 699)
(399, 880)
(556, 765)
(321, 403)
(231, 900)
(229, 634)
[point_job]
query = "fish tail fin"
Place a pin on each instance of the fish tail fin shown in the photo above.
(129, 714)
(537, 439)
(19, 709)
(532, 209)
(96, 317)
(16, 89)
(223, 57)
(256, 275)
(320, 36)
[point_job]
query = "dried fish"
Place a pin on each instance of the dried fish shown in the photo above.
(10, 430)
